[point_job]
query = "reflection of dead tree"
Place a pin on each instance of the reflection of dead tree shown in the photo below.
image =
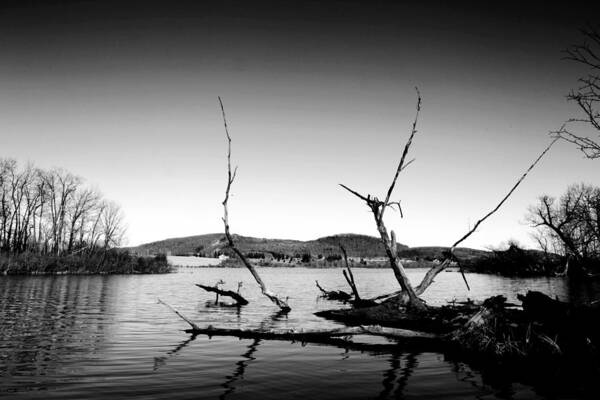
(241, 365)
(160, 361)
(239, 299)
(409, 294)
(230, 178)
(392, 384)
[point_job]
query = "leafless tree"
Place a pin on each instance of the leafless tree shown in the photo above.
(282, 304)
(571, 223)
(586, 96)
(409, 294)
(112, 224)
(53, 212)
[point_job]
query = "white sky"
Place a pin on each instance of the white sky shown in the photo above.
(135, 112)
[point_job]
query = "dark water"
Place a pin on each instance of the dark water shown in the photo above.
(74, 337)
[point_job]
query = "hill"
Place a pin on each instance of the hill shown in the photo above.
(431, 253)
(213, 244)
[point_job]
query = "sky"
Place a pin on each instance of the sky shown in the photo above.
(124, 94)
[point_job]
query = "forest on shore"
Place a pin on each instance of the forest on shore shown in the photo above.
(51, 222)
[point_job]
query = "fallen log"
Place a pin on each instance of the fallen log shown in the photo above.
(239, 299)
(322, 336)
(335, 336)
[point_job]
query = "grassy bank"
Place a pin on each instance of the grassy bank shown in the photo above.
(100, 262)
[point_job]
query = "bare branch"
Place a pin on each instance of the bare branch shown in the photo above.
(404, 154)
(189, 321)
(230, 177)
(428, 279)
(360, 196)
(489, 214)
(349, 276)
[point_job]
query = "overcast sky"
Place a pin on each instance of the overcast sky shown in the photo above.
(124, 94)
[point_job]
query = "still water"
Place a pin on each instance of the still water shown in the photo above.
(93, 337)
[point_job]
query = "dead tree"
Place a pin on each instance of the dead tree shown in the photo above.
(239, 299)
(230, 178)
(378, 208)
(409, 294)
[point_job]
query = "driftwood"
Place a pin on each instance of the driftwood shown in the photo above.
(239, 299)
(339, 295)
(321, 336)
(544, 331)
(230, 178)
(313, 336)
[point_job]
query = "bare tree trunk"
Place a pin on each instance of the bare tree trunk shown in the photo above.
(378, 208)
(230, 178)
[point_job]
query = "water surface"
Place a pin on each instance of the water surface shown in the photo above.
(73, 337)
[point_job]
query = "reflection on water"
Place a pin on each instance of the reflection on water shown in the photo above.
(106, 336)
(396, 378)
(241, 365)
(41, 325)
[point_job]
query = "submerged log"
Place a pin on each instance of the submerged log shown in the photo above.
(239, 299)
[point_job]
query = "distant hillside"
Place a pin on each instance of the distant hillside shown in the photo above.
(511, 262)
(214, 243)
(436, 252)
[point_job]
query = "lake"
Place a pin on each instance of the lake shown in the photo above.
(93, 337)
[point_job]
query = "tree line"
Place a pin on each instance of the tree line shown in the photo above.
(570, 225)
(54, 212)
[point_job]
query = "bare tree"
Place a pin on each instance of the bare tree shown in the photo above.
(83, 203)
(51, 211)
(112, 221)
(230, 178)
(571, 223)
(586, 96)
(409, 294)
